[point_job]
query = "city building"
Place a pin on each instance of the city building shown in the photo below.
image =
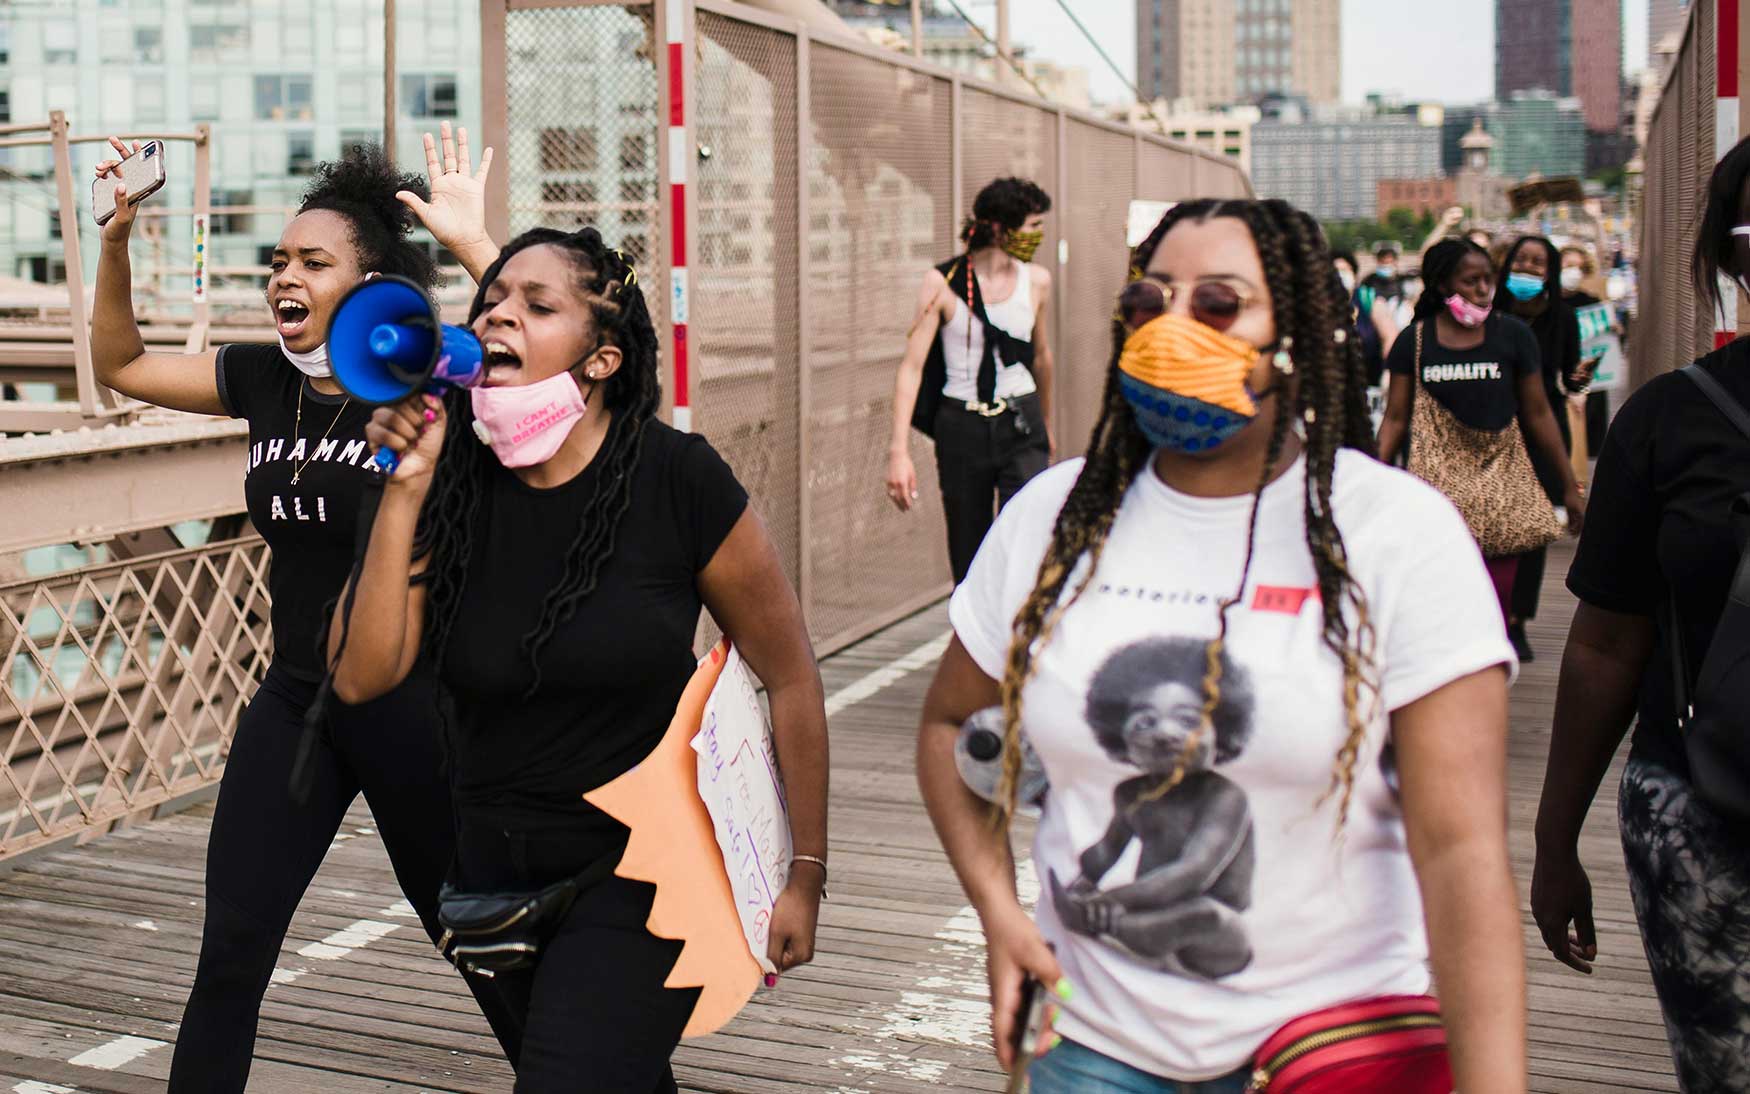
(1476, 184)
(1537, 133)
(1224, 132)
(1419, 196)
(1215, 52)
(1331, 163)
(1533, 132)
(1185, 50)
(1571, 48)
(284, 87)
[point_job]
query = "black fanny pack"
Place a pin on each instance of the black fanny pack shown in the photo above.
(490, 933)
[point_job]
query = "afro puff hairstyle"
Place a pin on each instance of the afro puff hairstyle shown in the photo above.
(361, 186)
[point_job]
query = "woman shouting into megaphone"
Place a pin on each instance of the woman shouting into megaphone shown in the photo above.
(548, 544)
(308, 467)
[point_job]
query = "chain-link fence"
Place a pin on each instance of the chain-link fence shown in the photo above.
(1674, 326)
(122, 685)
(826, 177)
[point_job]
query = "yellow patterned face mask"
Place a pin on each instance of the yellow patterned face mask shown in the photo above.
(1186, 383)
(1022, 246)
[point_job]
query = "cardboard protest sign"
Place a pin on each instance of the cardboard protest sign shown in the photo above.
(744, 793)
(1598, 341)
(673, 846)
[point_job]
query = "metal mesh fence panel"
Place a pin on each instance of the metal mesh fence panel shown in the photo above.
(580, 90)
(1101, 176)
(1674, 326)
(122, 684)
(744, 321)
(880, 197)
(1165, 174)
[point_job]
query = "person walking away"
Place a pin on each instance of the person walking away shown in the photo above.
(1652, 572)
(308, 470)
(1374, 321)
(1219, 635)
(977, 371)
(1478, 372)
(1529, 286)
(555, 575)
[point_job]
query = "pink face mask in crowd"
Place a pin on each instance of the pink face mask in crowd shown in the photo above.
(525, 425)
(1466, 313)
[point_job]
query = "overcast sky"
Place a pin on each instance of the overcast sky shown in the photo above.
(1384, 47)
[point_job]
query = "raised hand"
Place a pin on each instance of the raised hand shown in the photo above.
(456, 213)
(121, 225)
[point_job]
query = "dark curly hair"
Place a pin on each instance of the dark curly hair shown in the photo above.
(1005, 203)
(361, 187)
(1178, 660)
(1439, 267)
(449, 522)
(1329, 396)
(1552, 276)
(450, 518)
(1715, 250)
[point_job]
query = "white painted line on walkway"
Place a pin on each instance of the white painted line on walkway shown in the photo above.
(342, 942)
(400, 910)
(146, 925)
(31, 1086)
(117, 1053)
(886, 676)
(286, 976)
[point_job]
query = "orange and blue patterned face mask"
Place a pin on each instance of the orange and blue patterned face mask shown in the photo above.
(1186, 383)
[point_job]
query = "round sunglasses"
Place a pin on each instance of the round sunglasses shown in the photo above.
(1215, 304)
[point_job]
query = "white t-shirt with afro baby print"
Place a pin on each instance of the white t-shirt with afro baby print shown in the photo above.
(1193, 924)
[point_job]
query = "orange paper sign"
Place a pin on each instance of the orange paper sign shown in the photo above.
(674, 847)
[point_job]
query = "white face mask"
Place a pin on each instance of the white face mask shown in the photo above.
(1571, 278)
(313, 364)
(1348, 280)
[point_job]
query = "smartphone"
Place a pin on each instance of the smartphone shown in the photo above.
(143, 172)
(1035, 1005)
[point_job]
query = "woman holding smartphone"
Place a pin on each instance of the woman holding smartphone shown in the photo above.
(309, 466)
(1267, 683)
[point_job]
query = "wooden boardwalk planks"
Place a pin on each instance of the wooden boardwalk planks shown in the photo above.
(99, 942)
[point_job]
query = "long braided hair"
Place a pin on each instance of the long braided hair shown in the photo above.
(450, 519)
(1311, 308)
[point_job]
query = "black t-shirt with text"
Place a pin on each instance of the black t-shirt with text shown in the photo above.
(310, 525)
(1479, 385)
(1657, 525)
(612, 673)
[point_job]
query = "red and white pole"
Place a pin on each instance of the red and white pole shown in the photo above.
(679, 160)
(1726, 136)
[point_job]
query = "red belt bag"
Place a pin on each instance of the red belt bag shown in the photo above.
(1393, 1044)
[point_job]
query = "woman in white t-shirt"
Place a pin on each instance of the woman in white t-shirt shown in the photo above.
(1267, 678)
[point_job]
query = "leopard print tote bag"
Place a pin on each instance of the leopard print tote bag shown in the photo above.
(1487, 475)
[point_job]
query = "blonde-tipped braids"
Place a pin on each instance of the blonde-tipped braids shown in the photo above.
(1310, 308)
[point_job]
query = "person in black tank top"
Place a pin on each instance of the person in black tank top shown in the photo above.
(308, 472)
(992, 425)
(555, 575)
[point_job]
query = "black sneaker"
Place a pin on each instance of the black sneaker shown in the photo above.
(1521, 646)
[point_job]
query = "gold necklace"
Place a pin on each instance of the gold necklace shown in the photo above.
(298, 423)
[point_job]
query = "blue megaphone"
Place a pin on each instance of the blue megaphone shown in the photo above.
(386, 342)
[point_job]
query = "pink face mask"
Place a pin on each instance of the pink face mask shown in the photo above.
(526, 425)
(1466, 313)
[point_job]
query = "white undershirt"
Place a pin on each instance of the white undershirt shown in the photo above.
(1015, 315)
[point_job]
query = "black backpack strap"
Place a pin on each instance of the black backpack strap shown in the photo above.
(1735, 413)
(1719, 397)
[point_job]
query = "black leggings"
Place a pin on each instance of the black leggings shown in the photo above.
(264, 849)
(594, 1005)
